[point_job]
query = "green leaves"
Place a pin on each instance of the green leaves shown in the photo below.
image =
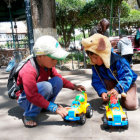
(132, 19)
(84, 14)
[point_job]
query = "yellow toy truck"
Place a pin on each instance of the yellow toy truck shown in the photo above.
(79, 109)
(115, 116)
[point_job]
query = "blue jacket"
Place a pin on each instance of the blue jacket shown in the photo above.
(120, 69)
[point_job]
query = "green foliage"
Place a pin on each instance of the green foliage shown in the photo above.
(95, 10)
(2, 46)
(124, 12)
(80, 36)
(132, 3)
(132, 19)
(125, 9)
(70, 5)
(18, 44)
(98, 9)
(75, 56)
(67, 18)
(83, 14)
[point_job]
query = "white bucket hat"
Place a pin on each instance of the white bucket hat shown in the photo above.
(48, 45)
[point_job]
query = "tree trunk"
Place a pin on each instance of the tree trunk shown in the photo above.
(83, 31)
(138, 1)
(44, 18)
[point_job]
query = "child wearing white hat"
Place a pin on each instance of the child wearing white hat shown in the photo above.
(41, 92)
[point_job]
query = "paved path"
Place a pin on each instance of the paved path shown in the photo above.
(52, 126)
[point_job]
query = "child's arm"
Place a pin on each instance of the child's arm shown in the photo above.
(97, 83)
(124, 75)
(113, 92)
(104, 97)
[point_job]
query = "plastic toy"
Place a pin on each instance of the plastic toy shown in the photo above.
(79, 109)
(115, 116)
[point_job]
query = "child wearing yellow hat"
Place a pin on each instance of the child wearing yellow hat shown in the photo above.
(111, 74)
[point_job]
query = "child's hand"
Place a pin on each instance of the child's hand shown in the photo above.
(113, 92)
(62, 111)
(105, 97)
(79, 88)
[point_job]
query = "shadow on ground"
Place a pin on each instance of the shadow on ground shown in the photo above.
(113, 129)
(42, 117)
(45, 117)
(96, 104)
(18, 113)
(60, 123)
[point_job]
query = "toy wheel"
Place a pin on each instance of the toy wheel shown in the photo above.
(82, 119)
(66, 120)
(105, 125)
(125, 126)
(89, 112)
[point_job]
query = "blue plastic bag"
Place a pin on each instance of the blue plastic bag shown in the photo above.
(11, 64)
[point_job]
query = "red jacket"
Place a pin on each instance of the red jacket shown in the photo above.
(27, 77)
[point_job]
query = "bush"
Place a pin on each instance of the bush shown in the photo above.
(75, 55)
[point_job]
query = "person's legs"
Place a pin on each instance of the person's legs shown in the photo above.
(49, 90)
(110, 84)
(45, 89)
(128, 58)
(131, 100)
(57, 85)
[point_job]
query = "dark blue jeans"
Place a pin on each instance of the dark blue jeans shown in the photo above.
(128, 57)
(48, 89)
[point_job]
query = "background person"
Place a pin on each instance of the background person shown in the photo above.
(137, 38)
(125, 48)
(101, 28)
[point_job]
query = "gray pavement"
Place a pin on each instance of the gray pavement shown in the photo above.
(52, 126)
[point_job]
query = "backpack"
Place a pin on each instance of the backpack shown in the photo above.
(12, 80)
